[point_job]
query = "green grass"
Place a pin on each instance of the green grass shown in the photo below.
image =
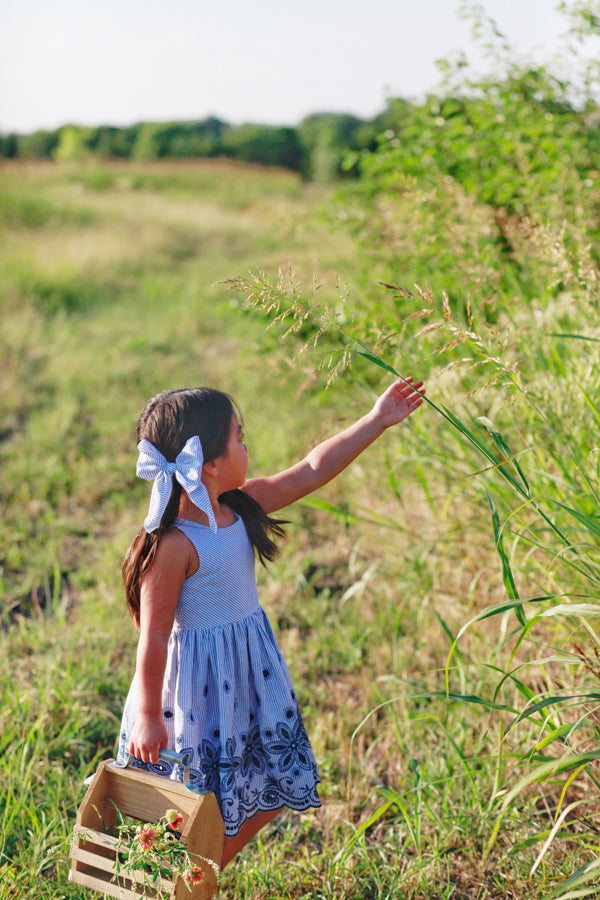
(117, 296)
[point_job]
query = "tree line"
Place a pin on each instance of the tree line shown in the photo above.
(316, 147)
(490, 136)
(524, 140)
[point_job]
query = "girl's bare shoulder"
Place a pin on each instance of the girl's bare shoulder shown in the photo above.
(176, 553)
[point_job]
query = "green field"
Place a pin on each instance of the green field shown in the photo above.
(451, 768)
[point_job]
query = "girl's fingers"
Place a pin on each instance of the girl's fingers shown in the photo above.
(412, 388)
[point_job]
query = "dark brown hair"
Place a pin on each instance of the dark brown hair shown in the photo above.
(168, 421)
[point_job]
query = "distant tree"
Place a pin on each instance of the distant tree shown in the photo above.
(72, 143)
(9, 146)
(38, 145)
(108, 141)
(267, 145)
(149, 143)
(328, 137)
(179, 139)
(190, 139)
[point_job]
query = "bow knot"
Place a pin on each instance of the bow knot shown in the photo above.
(187, 469)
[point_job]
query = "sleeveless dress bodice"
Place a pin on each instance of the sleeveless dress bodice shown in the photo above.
(223, 589)
(228, 699)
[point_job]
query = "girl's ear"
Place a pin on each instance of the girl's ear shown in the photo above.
(211, 468)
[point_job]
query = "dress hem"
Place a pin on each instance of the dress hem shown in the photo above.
(280, 801)
(230, 832)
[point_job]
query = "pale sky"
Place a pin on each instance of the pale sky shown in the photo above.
(269, 61)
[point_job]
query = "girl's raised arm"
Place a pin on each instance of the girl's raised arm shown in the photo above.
(332, 456)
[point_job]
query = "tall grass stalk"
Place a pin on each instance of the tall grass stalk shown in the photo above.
(549, 508)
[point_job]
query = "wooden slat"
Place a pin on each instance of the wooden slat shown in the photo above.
(204, 835)
(146, 796)
(92, 859)
(108, 888)
(98, 838)
(104, 864)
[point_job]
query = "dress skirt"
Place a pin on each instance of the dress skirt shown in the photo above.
(229, 703)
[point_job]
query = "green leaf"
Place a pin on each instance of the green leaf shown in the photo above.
(505, 450)
(541, 773)
(554, 700)
(581, 610)
(592, 405)
(575, 337)
(592, 523)
(590, 871)
(345, 851)
(507, 575)
(366, 354)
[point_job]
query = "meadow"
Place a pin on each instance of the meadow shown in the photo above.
(436, 604)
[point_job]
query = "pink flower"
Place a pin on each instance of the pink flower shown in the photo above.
(146, 835)
(195, 875)
(173, 817)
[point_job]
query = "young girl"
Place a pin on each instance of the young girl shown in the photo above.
(210, 680)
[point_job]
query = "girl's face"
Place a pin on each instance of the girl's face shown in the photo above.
(235, 457)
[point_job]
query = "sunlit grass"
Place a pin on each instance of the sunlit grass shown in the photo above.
(380, 572)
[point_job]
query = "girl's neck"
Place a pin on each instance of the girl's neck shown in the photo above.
(187, 510)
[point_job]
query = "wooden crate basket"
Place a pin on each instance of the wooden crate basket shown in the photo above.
(145, 797)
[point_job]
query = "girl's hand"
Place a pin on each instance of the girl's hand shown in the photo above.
(398, 402)
(332, 456)
(148, 735)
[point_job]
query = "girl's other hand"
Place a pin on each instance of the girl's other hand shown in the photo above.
(399, 401)
(148, 735)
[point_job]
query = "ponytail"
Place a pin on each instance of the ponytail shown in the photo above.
(141, 553)
(262, 530)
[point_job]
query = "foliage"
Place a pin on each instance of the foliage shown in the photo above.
(329, 137)
(517, 145)
(156, 851)
(9, 146)
(72, 144)
(269, 146)
(492, 193)
(107, 141)
(38, 145)
(156, 140)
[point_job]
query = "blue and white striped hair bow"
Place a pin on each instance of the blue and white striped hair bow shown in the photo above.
(187, 469)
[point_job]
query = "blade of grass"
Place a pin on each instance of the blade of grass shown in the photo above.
(540, 773)
(507, 575)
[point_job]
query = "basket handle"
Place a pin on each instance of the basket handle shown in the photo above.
(179, 759)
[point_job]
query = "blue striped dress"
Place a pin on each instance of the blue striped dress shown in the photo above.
(228, 699)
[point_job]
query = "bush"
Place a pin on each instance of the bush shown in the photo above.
(328, 137)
